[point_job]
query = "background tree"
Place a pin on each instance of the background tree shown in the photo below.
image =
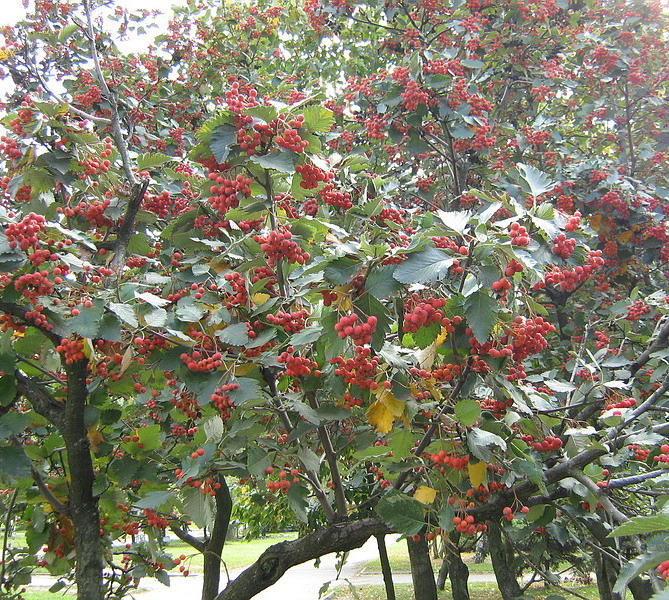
(419, 290)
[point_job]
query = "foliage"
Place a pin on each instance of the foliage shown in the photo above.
(430, 276)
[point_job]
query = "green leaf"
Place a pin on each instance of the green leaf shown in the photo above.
(156, 317)
(636, 525)
(467, 412)
(149, 437)
(426, 266)
(14, 462)
(318, 119)
(124, 312)
(87, 322)
(638, 565)
(298, 500)
(446, 514)
(189, 312)
(380, 283)
(480, 443)
(537, 181)
(341, 270)
(283, 161)
(306, 336)
(236, 334)
(152, 299)
(481, 312)
(222, 138)
(455, 221)
(110, 328)
(309, 459)
(198, 506)
(154, 499)
(402, 513)
(146, 162)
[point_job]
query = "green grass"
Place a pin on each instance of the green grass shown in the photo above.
(399, 560)
(235, 554)
(477, 591)
(45, 594)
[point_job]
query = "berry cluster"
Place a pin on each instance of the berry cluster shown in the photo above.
(502, 286)
(573, 222)
(413, 95)
(467, 526)
(424, 312)
(498, 408)
(239, 295)
(154, 520)
(636, 310)
(527, 336)
(664, 456)
(624, 403)
(361, 334)
(10, 148)
(614, 202)
(450, 459)
(360, 370)
(639, 452)
(286, 479)
(227, 193)
(311, 176)
(33, 285)
(334, 197)
(563, 246)
(200, 363)
(297, 366)
(278, 244)
(349, 401)
(518, 235)
(290, 138)
(569, 279)
(512, 268)
(72, 350)
(547, 445)
(25, 233)
(663, 569)
(221, 400)
(291, 322)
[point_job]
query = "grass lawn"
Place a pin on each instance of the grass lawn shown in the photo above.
(45, 594)
(235, 554)
(399, 560)
(477, 591)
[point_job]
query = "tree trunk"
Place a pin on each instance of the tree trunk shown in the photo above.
(277, 559)
(424, 586)
(385, 567)
(502, 561)
(604, 583)
(443, 574)
(82, 503)
(214, 547)
(458, 570)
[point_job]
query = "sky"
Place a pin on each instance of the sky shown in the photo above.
(12, 10)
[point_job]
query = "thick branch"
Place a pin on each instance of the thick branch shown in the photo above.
(128, 224)
(660, 342)
(117, 134)
(277, 559)
(187, 538)
(40, 398)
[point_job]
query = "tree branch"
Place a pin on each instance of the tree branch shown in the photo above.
(277, 559)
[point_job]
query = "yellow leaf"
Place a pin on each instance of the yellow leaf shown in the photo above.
(431, 386)
(95, 437)
(219, 265)
(441, 338)
(380, 417)
(89, 350)
(126, 361)
(425, 494)
(625, 236)
(343, 302)
(245, 369)
(477, 473)
(386, 397)
(260, 298)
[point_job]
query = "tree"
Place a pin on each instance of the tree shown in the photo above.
(422, 290)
